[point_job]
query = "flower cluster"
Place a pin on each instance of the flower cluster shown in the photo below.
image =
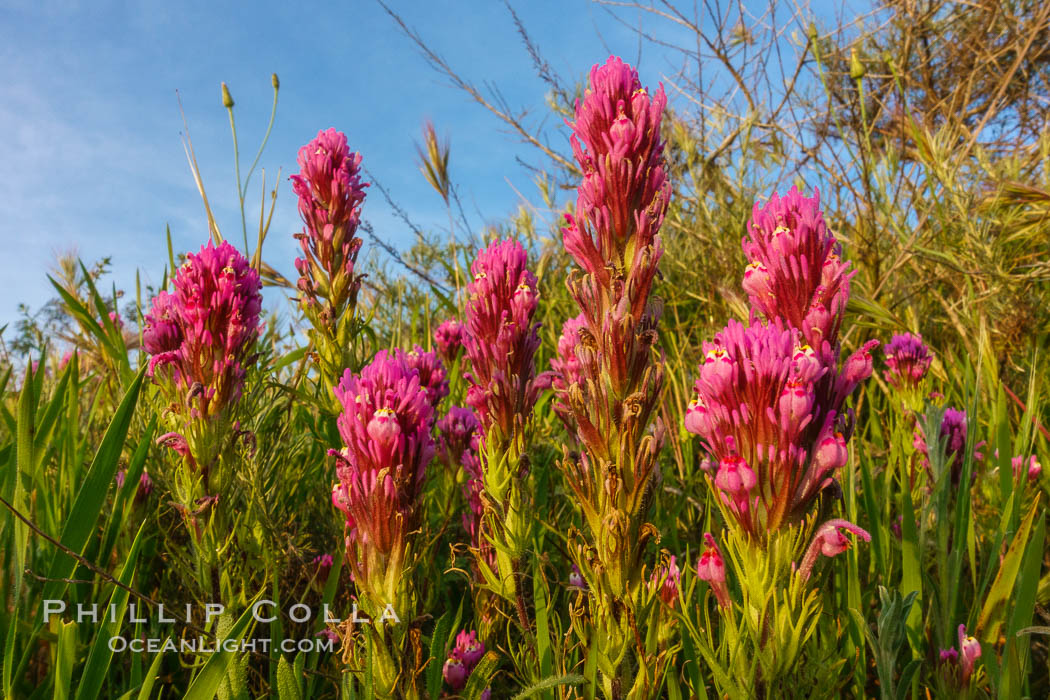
(771, 415)
(770, 402)
(908, 360)
(330, 194)
(385, 426)
(796, 273)
(462, 659)
(961, 662)
(607, 382)
(200, 337)
(448, 339)
(501, 338)
(322, 564)
(144, 488)
(622, 200)
(1033, 470)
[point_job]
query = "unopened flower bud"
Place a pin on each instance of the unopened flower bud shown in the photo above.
(856, 67)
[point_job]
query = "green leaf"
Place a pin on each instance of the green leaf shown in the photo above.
(543, 641)
(67, 651)
(51, 413)
(24, 459)
(438, 638)
(80, 312)
(151, 677)
(911, 579)
(80, 523)
(993, 613)
(291, 358)
(101, 655)
(207, 682)
(590, 669)
(125, 499)
(481, 676)
(1038, 629)
(1021, 615)
(368, 666)
(906, 676)
(287, 686)
(546, 684)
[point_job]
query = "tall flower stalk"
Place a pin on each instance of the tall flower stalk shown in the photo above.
(330, 194)
(201, 339)
(770, 399)
(385, 425)
(612, 387)
(501, 340)
(771, 410)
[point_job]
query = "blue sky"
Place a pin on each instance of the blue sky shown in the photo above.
(90, 129)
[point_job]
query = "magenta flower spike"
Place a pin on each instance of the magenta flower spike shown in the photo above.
(145, 487)
(796, 272)
(908, 359)
(200, 338)
(204, 331)
(455, 671)
(769, 414)
(162, 333)
(609, 373)
(385, 425)
(1033, 470)
(501, 338)
(624, 194)
(953, 427)
(462, 659)
(953, 433)
(470, 648)
(330, 193)
(770, 401)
